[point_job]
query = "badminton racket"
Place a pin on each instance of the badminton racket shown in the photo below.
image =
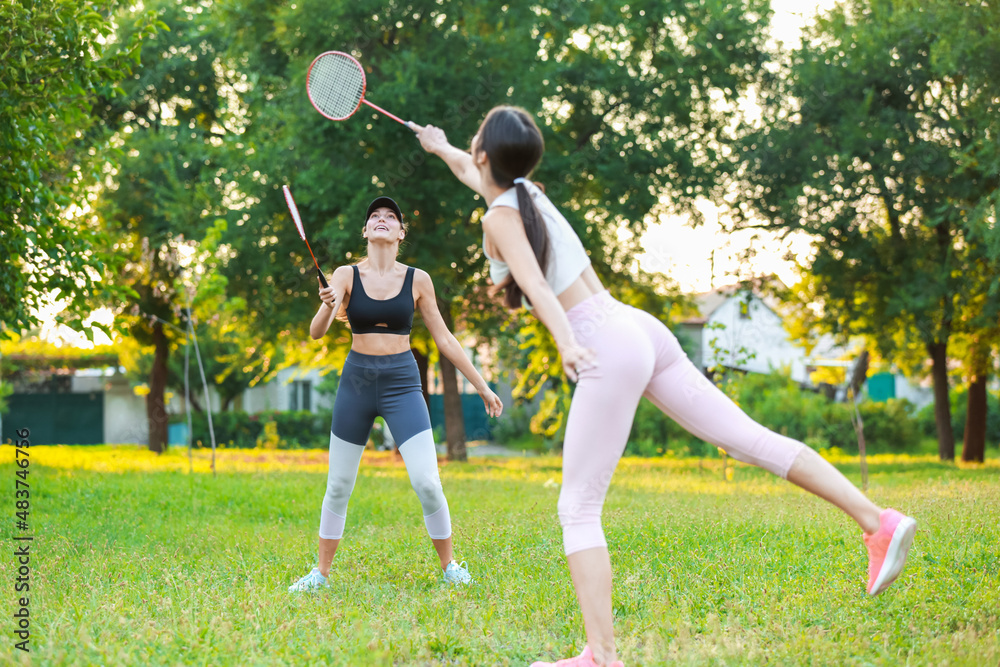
(336, 84)
(302, 232)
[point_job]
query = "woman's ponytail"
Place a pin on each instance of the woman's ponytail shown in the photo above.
(514, 146)
(538, 238)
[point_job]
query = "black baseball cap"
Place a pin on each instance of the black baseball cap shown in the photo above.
(384, 202)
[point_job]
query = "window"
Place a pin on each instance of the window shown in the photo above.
(300, 395)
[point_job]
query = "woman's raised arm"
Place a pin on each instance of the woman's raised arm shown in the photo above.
(433, 140)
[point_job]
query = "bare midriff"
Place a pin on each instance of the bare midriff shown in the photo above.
(584, 287)
(380, 344)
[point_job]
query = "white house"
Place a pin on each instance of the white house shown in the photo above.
(290, 389)
(739, 329)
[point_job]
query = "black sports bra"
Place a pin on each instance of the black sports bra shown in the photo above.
(365, 313)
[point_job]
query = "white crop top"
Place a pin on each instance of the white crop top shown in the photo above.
(567, 257)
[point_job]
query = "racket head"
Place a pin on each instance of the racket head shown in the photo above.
(294, 210)
(335, 84)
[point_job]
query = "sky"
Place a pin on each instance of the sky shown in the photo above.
(697, 259)
(704, 258)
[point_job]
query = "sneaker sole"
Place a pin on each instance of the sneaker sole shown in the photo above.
(895, 555)
(311, 589)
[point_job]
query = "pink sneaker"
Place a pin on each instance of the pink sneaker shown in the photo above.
(585, 659)
(887, 549)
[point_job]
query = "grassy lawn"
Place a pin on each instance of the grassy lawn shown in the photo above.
(137, 562)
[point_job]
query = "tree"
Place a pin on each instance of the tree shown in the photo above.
(58, 56)
(861, 146)
(173, 120)
(633, 102)
(967, 48)
(233, 359)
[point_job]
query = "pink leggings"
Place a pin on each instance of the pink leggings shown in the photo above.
(638, 356)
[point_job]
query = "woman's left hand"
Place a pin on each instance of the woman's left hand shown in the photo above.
(494, 406)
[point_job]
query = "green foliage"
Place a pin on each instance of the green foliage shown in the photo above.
(879, 140)
(889, 427)
(723, 358)
(232, 429)
(20, 355)
(167, 197)
(291, 429)
(513, 429)
(327, 387)
(703, 567)
(959, 407)
(377, 435)
(780, 404)
(58, 57)
(170, 202)
(864, 162)
(6, 389)
(655, 434)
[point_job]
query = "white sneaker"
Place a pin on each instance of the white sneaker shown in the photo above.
(457, 573)
(311, 582)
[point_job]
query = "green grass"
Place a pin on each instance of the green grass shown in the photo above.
(148, 567)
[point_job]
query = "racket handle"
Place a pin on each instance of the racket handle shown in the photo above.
(383, 111)
(322, 278)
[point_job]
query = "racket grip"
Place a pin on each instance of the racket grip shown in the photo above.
(322, 278)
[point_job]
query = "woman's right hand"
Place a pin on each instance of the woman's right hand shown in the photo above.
(576, 358)
(432, 139)
(327, 295)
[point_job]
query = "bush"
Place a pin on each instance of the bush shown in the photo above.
(514, 425)
(779, 403)
(296, 430)
(302, 429)
(232, 429)
(655, 434)
(6, 389)
(889, 427)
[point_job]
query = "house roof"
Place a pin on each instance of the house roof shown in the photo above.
(708, 302)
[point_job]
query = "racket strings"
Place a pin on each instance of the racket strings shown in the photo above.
(336, 86)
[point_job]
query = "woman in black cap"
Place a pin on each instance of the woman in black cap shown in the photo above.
(380, 378)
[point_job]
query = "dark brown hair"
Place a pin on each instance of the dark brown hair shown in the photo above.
(514, 146)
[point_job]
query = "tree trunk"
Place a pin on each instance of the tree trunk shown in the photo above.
(195, 404)
(422, 365)
(942, 407)
(454, 421)
(156, 409)
(974, 442)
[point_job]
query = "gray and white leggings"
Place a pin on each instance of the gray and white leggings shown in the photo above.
(386, 386)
